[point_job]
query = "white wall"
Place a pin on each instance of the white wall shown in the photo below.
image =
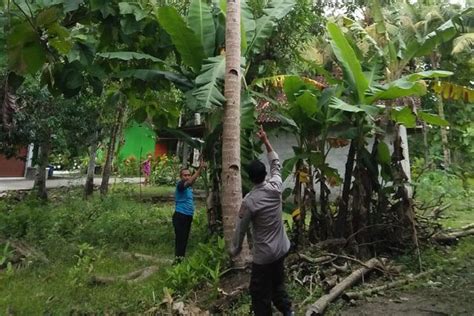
(283, 143)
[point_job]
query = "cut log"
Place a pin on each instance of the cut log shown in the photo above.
(368, 292)
(317, 260)
(329, 283)
(132, 277)
(318, 307)
(452, 236)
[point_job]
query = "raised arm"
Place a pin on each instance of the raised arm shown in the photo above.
(275, 169)
(190, 181)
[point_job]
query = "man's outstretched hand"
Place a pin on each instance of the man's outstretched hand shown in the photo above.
(262, 135)
(264, 138)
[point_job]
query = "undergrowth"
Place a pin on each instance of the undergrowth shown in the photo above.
(82, 238)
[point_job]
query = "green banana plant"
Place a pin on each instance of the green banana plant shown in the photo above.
(365, 97)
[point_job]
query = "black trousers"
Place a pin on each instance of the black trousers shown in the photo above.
(182, 227)
(267, 285)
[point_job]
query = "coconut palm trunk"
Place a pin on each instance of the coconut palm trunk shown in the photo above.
(231, 179)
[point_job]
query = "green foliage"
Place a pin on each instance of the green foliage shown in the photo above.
(203, 266)
(349, 61)
(444, 186)
(84, 266)
(265, 25)
(165, 170)
(209, 84)
(111, 221)
(127, 56)
(129, 167)
(185, 40)
(201, 21)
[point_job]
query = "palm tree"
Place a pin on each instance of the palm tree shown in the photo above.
(231, 179)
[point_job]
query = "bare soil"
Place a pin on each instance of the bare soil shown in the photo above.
(450, 294)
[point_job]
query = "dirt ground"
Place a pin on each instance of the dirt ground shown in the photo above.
(451, 294)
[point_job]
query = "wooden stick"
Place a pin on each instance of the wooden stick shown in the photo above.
(357, 295)
(318, 307)
(315, 260)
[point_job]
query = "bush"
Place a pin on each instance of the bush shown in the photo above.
(203, 266)
(129, 167)
(165, 170)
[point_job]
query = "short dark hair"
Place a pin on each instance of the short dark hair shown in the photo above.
(256, 171)
(181, 171)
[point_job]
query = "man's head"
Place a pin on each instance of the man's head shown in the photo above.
(256, 171)
(185, 174)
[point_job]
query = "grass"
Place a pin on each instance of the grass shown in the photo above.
(447, 188)
(84, 238)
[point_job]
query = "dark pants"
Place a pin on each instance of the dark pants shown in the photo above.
(267, 285)
(182, 227)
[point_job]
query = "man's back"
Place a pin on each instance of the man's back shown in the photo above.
(264, 205)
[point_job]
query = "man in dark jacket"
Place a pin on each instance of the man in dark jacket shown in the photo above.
(262, 207)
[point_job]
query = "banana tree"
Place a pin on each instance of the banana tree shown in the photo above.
(310, 118)
(198, 40)
(365, 98)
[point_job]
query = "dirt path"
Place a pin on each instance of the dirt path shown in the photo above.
(451, 294)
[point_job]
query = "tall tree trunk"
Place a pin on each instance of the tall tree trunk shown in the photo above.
(104, 186)
(231, 180)
(426, 149)
(89, 187)
(444, 134)
(344, 204)
(40, 181)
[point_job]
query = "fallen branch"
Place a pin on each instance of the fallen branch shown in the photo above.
(318, 307)
(379, 267)
(343, 269)
(132, 277)
(143, 257)
(453, 236)
(315, 260)
(467, 227)
(227, 298)
(358, 295)
(21, 251)
(324, 274)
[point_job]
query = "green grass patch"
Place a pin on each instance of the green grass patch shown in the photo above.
(82, 238)
(447, 189)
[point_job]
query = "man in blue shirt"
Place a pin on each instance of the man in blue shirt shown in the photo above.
(184, 209)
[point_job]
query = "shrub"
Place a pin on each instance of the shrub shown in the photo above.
(203, 266)
(165, 170)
